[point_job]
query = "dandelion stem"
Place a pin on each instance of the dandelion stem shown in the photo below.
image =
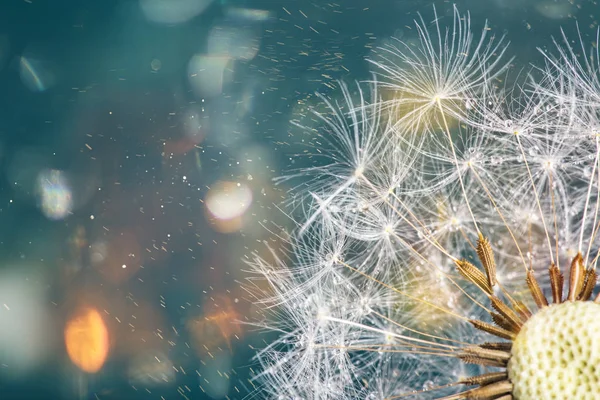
(551, 182)
(376, 349)
(462, 185)
(419, 332)
(510, 232)
(415, 392)
(537, 197)
(383, 332)
(587, 200)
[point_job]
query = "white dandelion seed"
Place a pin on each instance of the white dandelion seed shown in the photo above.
(572, 76)
(444, 73)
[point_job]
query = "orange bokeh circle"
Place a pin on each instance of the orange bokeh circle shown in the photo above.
(86, 339)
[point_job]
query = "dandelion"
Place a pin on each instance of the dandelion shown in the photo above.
(441, 76)
(460, 267)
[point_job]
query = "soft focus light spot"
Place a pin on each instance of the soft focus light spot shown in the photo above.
(151, 369)
(234, 41)
(35, 74)
(228, 200)
(206, 74)
(155, 64)
(248, 14)
(172, 11)
(25, 325)
(217, 327)
(98, 252)
(55, 194)
(86, 338)
(554, 10)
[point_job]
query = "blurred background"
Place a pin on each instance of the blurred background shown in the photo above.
(139, 140)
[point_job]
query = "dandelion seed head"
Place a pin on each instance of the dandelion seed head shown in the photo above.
(445, 215)
(555, 354)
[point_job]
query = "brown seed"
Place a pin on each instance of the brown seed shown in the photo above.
(557, 281)
(589, 283)
(473, 275)
(536, 291)
(576, 277)
(493, 330)
(485, 379)
(505, 311)
(486, 256)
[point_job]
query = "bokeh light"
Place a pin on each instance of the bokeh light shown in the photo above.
(151, 369)
(208, 73)
(86, 340)
(26, 328)
(35, 73)
(56, 199)
(234, 41)
(248, 14)
(227, 202)
(218, 326)
(555, 10)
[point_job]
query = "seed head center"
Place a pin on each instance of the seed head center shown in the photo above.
(556, 355)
